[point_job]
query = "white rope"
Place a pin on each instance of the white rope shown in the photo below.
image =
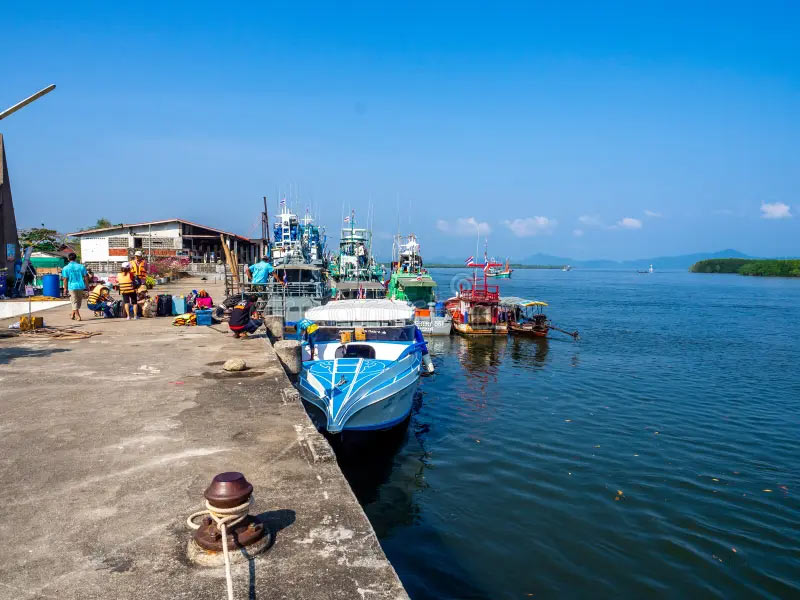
(224, 518)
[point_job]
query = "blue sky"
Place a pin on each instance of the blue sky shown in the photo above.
(598, 130)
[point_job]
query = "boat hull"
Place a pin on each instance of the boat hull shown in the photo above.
(538, 333)
(433, 325)
(381, 414)
(467, 329)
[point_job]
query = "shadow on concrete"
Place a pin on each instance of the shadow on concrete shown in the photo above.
(274, 521)
(9, 354)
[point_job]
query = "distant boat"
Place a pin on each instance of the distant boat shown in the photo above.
(566, 268)
(650, 270)
(505, 273)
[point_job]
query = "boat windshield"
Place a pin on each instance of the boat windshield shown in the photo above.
(373, 334)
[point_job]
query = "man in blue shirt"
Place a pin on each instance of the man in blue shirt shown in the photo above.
(260, 272)
(75, 281)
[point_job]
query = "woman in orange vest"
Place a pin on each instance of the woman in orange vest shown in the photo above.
(125, 285)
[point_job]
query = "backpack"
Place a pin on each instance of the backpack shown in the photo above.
(116, 308)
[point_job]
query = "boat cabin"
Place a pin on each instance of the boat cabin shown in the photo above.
(373, 329)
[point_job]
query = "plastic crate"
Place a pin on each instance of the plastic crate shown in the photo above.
(203, 317)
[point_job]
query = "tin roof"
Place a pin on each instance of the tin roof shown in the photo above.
(184, 221)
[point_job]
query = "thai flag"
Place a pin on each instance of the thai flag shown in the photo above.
(283, 203)
(486, 266)
(362, 293)
(468, 262)
(347, 219)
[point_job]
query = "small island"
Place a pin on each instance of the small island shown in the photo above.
(749, 266)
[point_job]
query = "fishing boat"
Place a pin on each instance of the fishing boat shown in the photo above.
(566, 268)
(504, 273)
(476, 310)
(527, 318)
(354, 261)
(298, 254)
(648, 271)
(411, 282)
(361, 364)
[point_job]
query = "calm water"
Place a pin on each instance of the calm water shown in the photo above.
(632, 464)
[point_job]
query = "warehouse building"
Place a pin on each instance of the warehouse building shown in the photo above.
(198, 247)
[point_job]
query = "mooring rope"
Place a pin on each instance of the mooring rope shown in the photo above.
(224, 518)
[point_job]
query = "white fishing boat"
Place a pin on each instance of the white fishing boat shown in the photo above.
(361, 364)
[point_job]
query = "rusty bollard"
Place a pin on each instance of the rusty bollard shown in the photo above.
(229, 494)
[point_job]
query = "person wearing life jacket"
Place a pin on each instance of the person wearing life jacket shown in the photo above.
(138, 268)
(243, 318)
(100, 300)
(126, 287)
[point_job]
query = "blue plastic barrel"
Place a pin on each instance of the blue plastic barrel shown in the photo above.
(440, 310)
(50, 286)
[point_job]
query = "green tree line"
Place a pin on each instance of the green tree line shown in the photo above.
(749, 266)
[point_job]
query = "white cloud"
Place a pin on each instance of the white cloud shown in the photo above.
(590, 221)
(463, 226)
(653, 214)
(629, 223)
(577, 232)
(775, 210)
(531, 226)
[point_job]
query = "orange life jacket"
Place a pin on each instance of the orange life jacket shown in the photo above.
(125, 283)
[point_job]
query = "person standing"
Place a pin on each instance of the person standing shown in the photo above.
(126, 288)
(260, 271)
(138, 268)
(75, 281)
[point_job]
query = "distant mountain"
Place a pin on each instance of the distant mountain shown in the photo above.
(684, 261)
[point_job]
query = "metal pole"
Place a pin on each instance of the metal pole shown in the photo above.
(11, 110)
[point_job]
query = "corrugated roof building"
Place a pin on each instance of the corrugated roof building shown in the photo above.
(103, 250)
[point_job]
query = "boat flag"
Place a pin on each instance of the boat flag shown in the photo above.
(283, 203)
(347, 219)
(468, 262)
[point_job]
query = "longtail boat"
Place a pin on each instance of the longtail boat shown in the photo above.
(527, 318)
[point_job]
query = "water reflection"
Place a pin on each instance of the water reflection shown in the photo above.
(369, 459)
(527, 351)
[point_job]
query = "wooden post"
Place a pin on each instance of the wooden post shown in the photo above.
(229, 259)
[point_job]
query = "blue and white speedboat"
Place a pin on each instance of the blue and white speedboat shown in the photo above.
(361, 364)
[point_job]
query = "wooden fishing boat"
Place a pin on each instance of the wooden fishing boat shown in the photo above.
(476, 310)
(527, 318)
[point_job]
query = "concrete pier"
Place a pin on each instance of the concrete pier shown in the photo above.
(108, 443)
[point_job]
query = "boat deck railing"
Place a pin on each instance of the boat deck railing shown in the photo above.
(480, 293)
